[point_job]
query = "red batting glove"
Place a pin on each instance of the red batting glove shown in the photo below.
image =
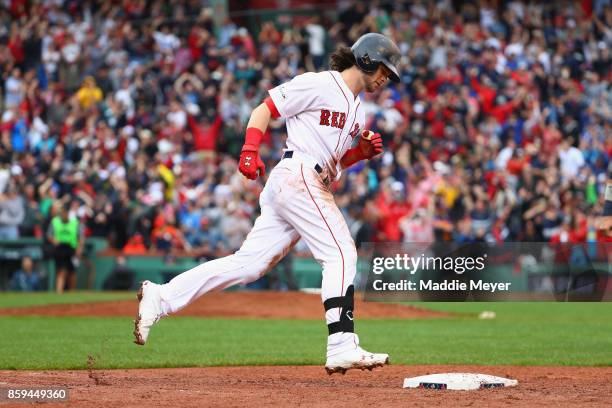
(250, 162)
(369, 145)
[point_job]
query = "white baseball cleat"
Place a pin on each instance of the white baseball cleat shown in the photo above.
(356, 358)
(149, 311)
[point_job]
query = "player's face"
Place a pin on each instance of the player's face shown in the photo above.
(378, 79)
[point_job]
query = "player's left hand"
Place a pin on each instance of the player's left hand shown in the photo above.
(370, 144)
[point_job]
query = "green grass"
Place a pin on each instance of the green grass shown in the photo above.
(522, 334)
(532, 311)
(20, 299)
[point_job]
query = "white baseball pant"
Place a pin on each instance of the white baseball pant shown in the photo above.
(295, 203)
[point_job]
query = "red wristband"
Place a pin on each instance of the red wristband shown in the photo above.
(351, 157)
(252, 139)
(270, 104)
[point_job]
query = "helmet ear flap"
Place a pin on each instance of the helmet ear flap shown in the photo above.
(365, 63)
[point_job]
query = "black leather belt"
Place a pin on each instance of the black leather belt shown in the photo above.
(289, 154)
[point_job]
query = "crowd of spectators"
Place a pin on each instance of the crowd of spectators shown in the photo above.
(131, 114)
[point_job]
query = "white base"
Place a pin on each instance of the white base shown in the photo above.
(458, 381)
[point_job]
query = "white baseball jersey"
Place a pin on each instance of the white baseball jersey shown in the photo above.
(322, 116)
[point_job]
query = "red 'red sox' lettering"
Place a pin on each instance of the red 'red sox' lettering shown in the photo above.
(338, 119)
(324, 117)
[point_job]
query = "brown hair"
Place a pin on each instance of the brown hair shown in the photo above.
(342, 59)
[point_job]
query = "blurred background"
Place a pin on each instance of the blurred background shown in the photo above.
(122, 121)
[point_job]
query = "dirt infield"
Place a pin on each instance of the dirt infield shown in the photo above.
(311, 386)
(265, 305)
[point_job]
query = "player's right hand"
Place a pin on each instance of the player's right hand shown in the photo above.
(370, 144)
(249, 163)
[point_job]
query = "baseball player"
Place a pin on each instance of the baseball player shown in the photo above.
(325, 125)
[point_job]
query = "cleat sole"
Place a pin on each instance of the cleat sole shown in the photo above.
(343, 370)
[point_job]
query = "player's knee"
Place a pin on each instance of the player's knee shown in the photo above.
(346, 260)
(255, 270)
(350, 256)
(251, 276)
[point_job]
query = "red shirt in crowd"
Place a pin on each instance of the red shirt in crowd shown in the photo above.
(204, 136)
(391, 212)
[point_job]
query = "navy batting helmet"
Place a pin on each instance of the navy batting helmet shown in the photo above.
(373, 49)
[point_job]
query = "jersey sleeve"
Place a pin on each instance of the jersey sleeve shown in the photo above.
(296, 96)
